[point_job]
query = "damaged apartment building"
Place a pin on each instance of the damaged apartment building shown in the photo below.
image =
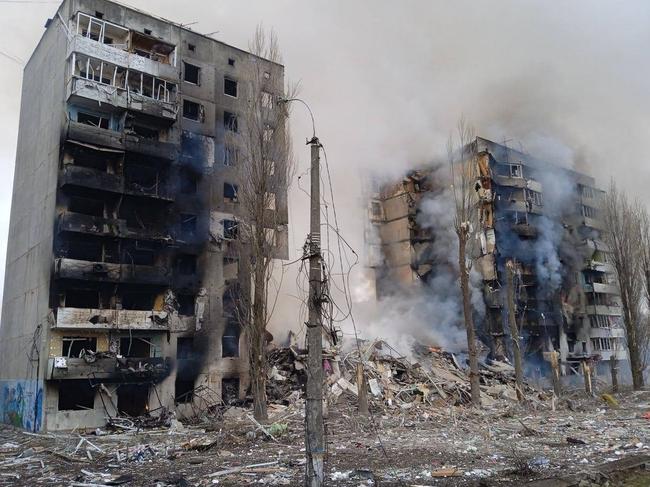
(124, 268)
(536, 216)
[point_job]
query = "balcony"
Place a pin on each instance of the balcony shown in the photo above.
(119, 45)
(525, 230)
(593, 223)
(510, 181)
(601, 288)
(86, 177)
(606, 333)
(65, 268)
(107, 227)
(600, 309)
(91, 225)
(110, 319)
(96, 136)
(108, 367)
(80, 89)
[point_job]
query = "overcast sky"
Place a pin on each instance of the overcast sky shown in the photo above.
(387, 80)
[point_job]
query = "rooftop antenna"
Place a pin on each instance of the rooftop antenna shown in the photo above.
(212, 33)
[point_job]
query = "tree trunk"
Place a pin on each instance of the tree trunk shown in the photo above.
(613, 364)
(636, 361)
(514, 332)
(258, 360)
(469, 321)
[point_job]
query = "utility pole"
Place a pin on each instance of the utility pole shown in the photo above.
(314, 426)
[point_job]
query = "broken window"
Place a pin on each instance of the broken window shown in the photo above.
(87, 249)
(230, 155)
(516, 171)
(76, 395)
(231, 61)
(534, 197)
(186, 264)
(230, 87)
(600, 321)
(193, 111)
(149, 47)
(137, 301)
(267, 100)
(82, 298)
(99, 30)
(86, 206)
(73, 346)
(230, 339)
(188, 225)
(186, 304)
(141, 178)
(230, 193)
(229, 391)
(375, 209)
(183, 391)
(589, 212)
(94, 120)
(603, 344)
(230, 230)
(191, 47)
(230, 122)
(133, 399)
(137, 347)
(191, 73)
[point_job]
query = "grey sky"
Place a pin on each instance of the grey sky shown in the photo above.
(387, 80)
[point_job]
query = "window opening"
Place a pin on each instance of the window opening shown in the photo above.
(76, 395)
(230, 87)
(191, 73)
(230, 121)
(230, 193)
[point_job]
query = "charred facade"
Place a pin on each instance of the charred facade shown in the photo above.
(122, 265)
(542, 219)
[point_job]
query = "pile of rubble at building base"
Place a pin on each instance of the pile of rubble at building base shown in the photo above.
(436, 378)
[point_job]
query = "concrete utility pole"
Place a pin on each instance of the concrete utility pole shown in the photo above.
(314, 426)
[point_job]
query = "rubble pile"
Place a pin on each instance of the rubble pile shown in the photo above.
(433, 376)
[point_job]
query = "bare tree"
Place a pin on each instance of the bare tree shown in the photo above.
(514, 329)
(462, 161)
(623, 220)
(258, 144)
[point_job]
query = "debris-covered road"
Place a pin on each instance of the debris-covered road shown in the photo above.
(503, 444)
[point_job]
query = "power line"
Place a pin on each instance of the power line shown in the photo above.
(12, 58)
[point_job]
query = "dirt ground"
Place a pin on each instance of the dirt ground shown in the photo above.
(585, 442)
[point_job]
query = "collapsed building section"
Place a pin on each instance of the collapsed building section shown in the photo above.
(123, 266)
(538, 219)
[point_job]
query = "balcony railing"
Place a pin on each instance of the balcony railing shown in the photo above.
(107, 272)
(106, 366)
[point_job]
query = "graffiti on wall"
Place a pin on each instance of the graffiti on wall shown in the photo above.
(21, 403)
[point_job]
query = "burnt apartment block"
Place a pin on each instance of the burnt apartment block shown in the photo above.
(123, 266)
(540, 217)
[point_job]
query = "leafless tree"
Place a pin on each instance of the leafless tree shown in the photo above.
(258, 144)
(462, 161)
(625, 236)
